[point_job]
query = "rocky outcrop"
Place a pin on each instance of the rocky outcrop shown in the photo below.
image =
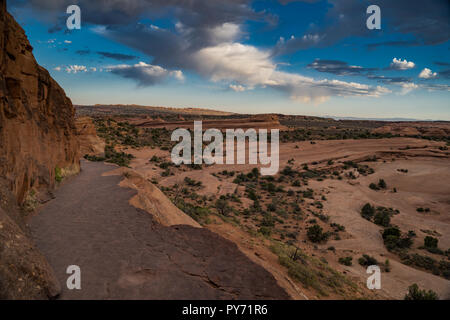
(151, 199)
(400, 130)
(37, 144)
(90, 142)
(24, 272)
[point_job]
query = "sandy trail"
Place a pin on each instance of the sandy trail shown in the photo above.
(124, 254)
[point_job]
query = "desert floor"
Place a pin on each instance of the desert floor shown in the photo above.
(424, 185)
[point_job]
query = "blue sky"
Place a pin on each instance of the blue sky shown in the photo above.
(313, 57)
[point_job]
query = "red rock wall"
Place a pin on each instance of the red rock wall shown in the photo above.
(37, 130)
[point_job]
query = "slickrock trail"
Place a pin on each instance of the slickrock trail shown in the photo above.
(124, 254)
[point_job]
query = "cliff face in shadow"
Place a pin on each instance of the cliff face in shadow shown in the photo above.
(38, 146)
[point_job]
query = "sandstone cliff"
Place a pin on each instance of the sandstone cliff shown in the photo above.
(90, 143)
(37, 131)
(38, 145)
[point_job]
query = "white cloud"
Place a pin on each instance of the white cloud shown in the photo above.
(177, 74)
(76, 68)
(67, 41)
(311, 38)
(237, 87)
(427, 74)
(93, 69)
(57, 68)
(407, 87)
(235, 62)
(225, 33)
(399, 64)
(248, 66)
(145, 74)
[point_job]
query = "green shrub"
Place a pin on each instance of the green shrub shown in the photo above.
(268, 220)
(367, 260)
(430, 242)
(367, 211)
(414, 293)
(296, 183)
(393, 239)
(315, 234)
(120, 158)
(287, 171)
(373, 186)
(441, 268)
(58, 174)
(93, 158)
(346, 261)
(271, 187)
(199, 214)
(311, 272)
(222, 207)
(252, 194)
(265, 231)
(382, 218)
(381, 184)
(154, 159)
(387, 266)
(337, 227)
(308, 193)
(192, 182)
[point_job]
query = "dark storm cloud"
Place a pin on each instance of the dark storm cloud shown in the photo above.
(428, 21)
(337, 67)
(116, 56)
(166, 47)
(145, 75)
(114, 12)
(441, 63)
(284, 2)
(444, 74)
(373, 46)
(196, 22)
(390, 80)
